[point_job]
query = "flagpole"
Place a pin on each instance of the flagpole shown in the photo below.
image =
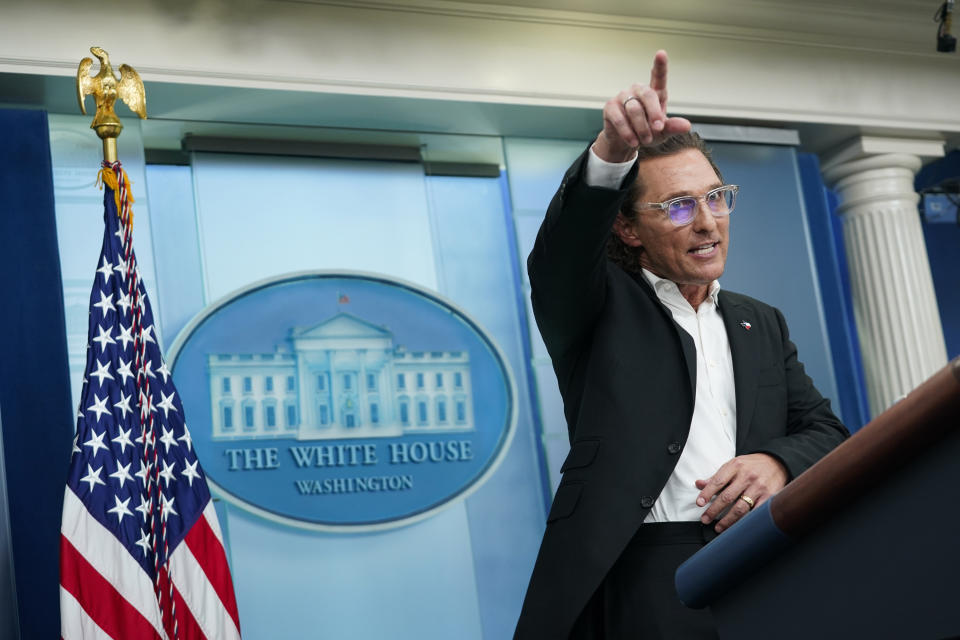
(106, 88)
(173, 546)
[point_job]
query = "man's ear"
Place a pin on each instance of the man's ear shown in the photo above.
(626, 231)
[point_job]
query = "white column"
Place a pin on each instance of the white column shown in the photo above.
(895, 306)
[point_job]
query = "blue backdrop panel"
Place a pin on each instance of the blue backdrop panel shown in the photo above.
(173, 229)
(771, 254)
(479, 271)
(535, 168)
(34, 383)
(460, 573)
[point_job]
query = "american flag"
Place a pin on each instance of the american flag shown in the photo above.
(141, 551)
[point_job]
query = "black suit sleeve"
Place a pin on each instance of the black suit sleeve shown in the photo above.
(568, 266)
(812, 429)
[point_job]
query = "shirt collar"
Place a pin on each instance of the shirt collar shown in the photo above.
(661, 286)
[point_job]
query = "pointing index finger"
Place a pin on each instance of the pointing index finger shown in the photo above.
(658, 75)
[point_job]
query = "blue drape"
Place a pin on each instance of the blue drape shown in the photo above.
(34, 381)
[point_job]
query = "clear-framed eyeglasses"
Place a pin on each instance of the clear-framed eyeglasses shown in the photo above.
(683, 210)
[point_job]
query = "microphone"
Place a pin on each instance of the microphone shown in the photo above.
(946, 43)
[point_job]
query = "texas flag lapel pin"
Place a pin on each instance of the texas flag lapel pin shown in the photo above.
(746, 325)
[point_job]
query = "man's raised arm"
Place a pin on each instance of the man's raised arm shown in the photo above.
(568, 264)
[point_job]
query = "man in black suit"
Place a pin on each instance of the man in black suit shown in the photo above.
(686, 405)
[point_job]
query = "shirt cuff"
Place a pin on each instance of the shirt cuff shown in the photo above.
(609, 175)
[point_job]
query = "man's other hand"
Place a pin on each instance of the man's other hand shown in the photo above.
(756, 476)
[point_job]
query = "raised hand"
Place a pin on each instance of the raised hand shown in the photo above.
(638, 116)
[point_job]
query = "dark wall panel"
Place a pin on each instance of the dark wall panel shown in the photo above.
(34, 382)
(943, 248)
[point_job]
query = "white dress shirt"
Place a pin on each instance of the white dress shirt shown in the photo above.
(713, 429)
(601, 173)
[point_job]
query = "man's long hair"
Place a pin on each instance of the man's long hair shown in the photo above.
(620, 253)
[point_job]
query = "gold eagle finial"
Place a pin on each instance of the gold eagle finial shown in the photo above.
(106, 89)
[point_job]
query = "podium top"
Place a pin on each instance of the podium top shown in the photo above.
(891, 440)
(925, 416)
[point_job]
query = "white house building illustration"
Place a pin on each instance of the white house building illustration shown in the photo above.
(342, 378)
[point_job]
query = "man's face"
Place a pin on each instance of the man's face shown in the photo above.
(693, 254)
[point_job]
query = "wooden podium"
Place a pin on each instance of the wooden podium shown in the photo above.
(865, 544)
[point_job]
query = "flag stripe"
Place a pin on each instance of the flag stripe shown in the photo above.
(189, 629)
(103, 604)
(209, 553)
(74, 621)
(201, 596)
(108, 557)
(210, 513)
(187, 625)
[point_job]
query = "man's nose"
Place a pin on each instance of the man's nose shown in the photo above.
(704, 219)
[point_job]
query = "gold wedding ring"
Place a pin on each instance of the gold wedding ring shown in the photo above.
(749, 501)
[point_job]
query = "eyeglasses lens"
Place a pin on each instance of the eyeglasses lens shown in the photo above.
(683, 210)
(721, 201)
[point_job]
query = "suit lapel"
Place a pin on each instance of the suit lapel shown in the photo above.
(689, 355)
(742, 350)
(686, 341)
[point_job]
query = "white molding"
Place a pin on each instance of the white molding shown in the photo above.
(780, 62)
(846, 26)
(839, 175)
(867, 146)
(690, 108)
(757, 135)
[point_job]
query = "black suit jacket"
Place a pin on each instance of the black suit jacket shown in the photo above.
(627, 374)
